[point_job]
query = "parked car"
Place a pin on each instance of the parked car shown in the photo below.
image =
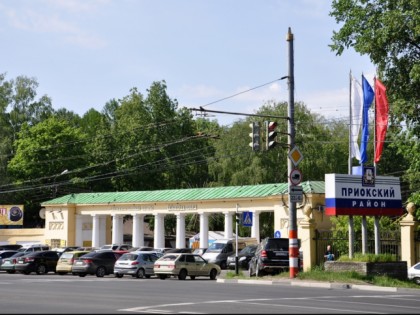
(182, 265)
(29, 248)
(65, 249)
(142, 249)
(179, 250)
(244, 256)
(271, 256)
(66, 260)
(219, 251)
(10, 247)
(413, 273)
(6, 254)
(199, 251)
(99, 263)
(137, 264)
(9, 264)
(126, 247)
(40, 262)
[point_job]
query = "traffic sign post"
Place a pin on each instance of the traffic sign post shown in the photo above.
(295, 176)
(295, 193)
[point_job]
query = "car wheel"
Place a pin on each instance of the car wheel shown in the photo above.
(100, 272)
(41, 270)
(82, 275)
(192, 277)
(162, 277)
(250, 273)
(182, 274)
(118, 275)
(213, 274)
(416, 281)
(258, 271)
(140, 273)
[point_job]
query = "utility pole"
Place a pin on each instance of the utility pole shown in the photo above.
(293, 237)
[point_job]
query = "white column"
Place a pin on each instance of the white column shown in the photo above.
(102, 230)
(78, 233)
(228, 225)
(255, 229)
(95, 230)
(204, 230)
(116, 229)
(180, 230)
(159, 235)
(138, 230)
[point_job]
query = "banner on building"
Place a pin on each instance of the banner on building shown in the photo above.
(11, 215)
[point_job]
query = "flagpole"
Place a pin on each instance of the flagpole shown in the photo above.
(364, 222)
(351, 223)
(350, 126)
(376, 222)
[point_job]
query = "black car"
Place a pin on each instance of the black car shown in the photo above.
(99, 263)
(244, 256)
(271, 257)
(10, 246)
(40, 262)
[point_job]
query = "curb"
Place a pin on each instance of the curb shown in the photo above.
(325, 285)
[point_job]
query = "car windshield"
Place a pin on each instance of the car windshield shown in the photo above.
(128, 257)
(169, 257)
(66, 255)
(215, 248)
(248, 250)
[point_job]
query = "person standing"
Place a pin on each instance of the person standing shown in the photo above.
(329, 255)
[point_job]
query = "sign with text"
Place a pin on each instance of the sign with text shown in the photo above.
(346, 195)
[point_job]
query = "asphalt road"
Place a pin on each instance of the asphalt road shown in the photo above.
(53, 294)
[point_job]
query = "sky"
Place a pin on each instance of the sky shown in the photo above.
(222, 55)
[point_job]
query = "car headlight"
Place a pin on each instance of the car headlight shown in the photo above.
(242, 258)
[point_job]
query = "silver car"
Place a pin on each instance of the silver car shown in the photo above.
(414, 273)
(138, 264)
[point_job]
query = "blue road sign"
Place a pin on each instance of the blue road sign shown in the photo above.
(246, 218)
(277, 234)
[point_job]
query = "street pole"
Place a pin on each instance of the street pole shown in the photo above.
(236, 240)
(293, 237)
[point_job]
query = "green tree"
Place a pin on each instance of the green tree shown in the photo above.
(43, 152)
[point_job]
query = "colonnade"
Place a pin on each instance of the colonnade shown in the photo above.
(99, 227)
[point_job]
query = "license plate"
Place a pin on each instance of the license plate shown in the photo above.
(79, 263)
(20, 262)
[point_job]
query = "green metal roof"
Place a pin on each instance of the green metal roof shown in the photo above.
(190, 194)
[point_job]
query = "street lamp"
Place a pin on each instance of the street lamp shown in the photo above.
(56, 186)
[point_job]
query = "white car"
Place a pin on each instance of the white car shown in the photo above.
(182, 265)
(414, 273)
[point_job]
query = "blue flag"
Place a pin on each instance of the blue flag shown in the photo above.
(368, 95)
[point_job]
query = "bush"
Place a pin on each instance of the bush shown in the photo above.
(358, 257)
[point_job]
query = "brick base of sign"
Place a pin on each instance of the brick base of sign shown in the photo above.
(396, 270)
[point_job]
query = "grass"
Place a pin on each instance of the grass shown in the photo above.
(319, 274)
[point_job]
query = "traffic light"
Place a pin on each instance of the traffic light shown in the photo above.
(255, 135)
(270, 135)
(238, 218)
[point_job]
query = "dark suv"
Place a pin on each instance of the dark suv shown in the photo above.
(271, 256)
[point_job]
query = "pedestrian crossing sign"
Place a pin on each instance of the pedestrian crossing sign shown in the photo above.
(247, 218)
